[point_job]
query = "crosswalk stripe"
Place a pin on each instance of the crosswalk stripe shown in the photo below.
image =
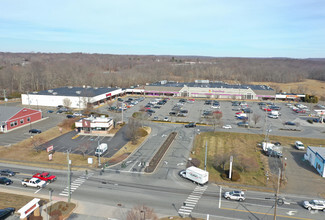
(185, 207)
(184, 213)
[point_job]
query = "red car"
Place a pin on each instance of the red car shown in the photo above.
(267, 109)
(45, 176)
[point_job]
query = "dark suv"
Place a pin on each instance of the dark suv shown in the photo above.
(190, 125)
(35, 131)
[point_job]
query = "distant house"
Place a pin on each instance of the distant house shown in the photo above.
(94, 125)
(316, 157)
(15, 117)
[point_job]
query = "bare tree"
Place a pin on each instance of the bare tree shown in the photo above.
(141, 212)
(215, 120)
(84, 147)
(67, 102)
(256, 118)
(131, 132)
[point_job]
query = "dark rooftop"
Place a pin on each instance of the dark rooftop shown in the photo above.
(211, 85)
(76, 91)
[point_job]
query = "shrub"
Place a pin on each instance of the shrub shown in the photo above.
(310, 121)
(142, 132)
(235, 176)
(224, 176)
(194, 162)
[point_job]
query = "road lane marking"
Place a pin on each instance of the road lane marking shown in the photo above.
(38, 190)
(191, 200)
(261, 213)
(75, 184)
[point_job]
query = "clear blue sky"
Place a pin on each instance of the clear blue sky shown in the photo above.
(221, 28)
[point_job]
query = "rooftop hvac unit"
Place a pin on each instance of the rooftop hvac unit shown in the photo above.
(70, 87)
(78, 92)
(88, 87)
(50, 90)
(163, 82)
(35, 92)
(54, 93)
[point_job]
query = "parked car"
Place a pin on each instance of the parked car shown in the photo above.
(227, 127)
(273, 116)
(190, 125)
(71, 116)
(7, 172)
(314, 204)
(77, 114)
(235, 195)
(299, 145)
(242, 124)
(150, 111)
(247, 110)
(155, 118)
(166, 119)
(215, 106)
(5, 180)
(290, 123)
(6, 212)
(35, 131)
(50, 111)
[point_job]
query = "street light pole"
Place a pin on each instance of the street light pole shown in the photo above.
(69, 177)
(99, 152)
(206, 152)
(276, 195)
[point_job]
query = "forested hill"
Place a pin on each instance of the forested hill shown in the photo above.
(22, 72)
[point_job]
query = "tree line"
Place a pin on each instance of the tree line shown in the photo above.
(27, 72)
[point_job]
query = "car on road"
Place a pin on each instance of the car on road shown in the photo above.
(50, 111)
(190, 125)
(235, 195)
(227, 127)
(6, 212)
(315, 205)
(290, 123)
(71, 116)
(45, 176)
(7, 172)
(5, 180)
(299, 145)
(35, 131)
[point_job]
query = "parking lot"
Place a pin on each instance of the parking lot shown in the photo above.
(196, 109)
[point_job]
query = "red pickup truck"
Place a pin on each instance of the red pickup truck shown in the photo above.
(45, 176)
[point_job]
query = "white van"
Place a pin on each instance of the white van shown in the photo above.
(101, 149)
(299, 145)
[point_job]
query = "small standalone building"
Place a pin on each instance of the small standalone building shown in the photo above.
(316, 157)
(15, 117)
(94, 125)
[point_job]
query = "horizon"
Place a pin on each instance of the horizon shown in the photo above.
(250, 29)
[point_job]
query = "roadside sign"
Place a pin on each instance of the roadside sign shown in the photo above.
(50, 148)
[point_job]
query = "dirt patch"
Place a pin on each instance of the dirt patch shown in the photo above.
(60, 210)
(160, 153)
(308, 86)
(245, 148)
(14, 200)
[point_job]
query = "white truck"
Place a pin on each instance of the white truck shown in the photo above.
(33, 182)
(101, 149)
(196, 175)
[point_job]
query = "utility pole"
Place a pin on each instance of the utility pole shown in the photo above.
(276, 195)
(99, 152)
(4, 97)
(206, 152)
(69, 177)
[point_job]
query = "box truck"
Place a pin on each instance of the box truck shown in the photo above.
(196, 175)
(101, 149)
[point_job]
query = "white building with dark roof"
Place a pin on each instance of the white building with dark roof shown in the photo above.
(206, 89)
(316, 158)
(73, 97)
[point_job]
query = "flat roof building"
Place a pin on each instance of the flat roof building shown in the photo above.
(73, 97)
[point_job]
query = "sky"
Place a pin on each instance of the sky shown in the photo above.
(219, 28)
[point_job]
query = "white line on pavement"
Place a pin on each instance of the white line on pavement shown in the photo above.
(38, 190)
